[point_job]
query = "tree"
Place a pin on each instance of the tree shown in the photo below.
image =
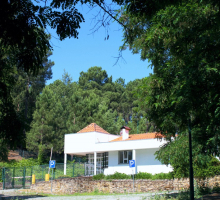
(49, 120)
(23, 46)
(95, 77)
(28, 87)
(181, 40)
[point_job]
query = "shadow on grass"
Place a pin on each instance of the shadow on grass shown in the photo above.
(18, 197)
(185, 195)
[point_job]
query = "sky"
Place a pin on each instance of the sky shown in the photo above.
(91, 49)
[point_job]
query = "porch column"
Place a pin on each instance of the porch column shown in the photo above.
(134, 158)
(65, 160)
(95, 155)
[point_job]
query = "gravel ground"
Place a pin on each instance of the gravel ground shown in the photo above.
(14, 195)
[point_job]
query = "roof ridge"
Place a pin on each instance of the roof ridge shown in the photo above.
(93, 127)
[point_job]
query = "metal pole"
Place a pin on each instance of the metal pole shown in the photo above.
(133, 180)
(24, 172)
(73, 168)
(42, 169)
(13, 180)
(50, 158)
(190, 164)
(3, 177)
(52, 180)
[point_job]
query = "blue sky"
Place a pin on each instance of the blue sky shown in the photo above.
(91, 49)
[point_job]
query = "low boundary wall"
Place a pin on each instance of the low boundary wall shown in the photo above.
(86, 184)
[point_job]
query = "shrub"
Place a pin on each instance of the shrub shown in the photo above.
(98, 177)
(143, 175)
(64, 176)
(118, 175)
(212, 169)
(163, 176)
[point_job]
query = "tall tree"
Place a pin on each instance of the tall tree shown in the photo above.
(28, 87)
(49, 120)
(181, 40)
(23, 45)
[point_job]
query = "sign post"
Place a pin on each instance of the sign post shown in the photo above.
(132, 165)
(52, 164)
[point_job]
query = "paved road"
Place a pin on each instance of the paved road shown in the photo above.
(13, 195)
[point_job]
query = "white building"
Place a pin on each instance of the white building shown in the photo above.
(107, 153)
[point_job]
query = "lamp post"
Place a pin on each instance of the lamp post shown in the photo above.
(190, 163)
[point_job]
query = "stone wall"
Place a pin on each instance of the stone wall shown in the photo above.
(86, 184)
(1, 186)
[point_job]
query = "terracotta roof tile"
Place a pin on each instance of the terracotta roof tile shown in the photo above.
(93, 127)
(140, 137)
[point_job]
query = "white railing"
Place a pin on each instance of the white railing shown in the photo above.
(89, 169)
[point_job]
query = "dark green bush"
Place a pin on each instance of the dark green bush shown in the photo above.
(98, 177)
(143, 175)
(118, 175)
(212, 169)
(163, 176)
(140, 175)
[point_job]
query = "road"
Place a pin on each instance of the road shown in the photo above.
(14, 195)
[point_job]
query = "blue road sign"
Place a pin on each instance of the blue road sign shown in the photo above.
(52, 164)
(131, 163)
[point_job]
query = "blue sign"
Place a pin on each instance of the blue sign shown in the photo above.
(131, 163)
(52, 164)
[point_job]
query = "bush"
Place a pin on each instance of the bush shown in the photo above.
(163, 176)
(212, 169)
(98, 177)
(143, 175)
(140, 175)
(118, 175)
(64, 176)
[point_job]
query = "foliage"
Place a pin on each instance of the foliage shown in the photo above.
(23, 50)
(143, 175)
(117, 175)
(67, 107)
(32, 166)
(18, 99)
(48, 126)
(139, 175)
(64, 176)
(179, 37)
(163, 176)
(98, 177)
(204, 165)
(20, 163)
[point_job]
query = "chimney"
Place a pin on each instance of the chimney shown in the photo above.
(124, 132)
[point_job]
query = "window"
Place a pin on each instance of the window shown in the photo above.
(124, 157)
(105, 160)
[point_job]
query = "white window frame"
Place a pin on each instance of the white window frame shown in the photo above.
(125, 159)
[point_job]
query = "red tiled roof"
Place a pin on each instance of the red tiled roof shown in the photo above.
(93, 127)
(140, 137)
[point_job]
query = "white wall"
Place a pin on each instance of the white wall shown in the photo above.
(145, 162)
(113, 165)
(102, 137)
(129, 145)
(82, 143)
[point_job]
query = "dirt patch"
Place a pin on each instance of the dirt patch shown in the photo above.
(14, 155)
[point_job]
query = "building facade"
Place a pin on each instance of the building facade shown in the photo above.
(107, 153)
